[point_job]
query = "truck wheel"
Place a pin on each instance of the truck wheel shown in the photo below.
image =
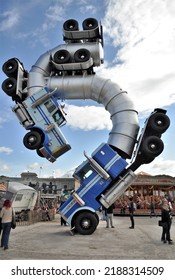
(152, 147)
(86, 223)
(82, 55)
(97, 217)
(32, 140)
(9, 86)
(39, 153)
(10, 68)
(71, 25)
(90, 23)
(62, 56)
(159, 122)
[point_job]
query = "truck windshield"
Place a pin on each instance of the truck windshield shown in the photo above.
(59, 118)
(84, 172)
(50, 106)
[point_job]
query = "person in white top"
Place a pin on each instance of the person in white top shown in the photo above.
(6, 216)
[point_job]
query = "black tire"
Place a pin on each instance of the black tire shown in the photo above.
(97, 217)
(81, 55)
(10, 68)
(39, 153)
(62, 57)
(90, 23)
(85, 223)
(152, 147)
(9, 86)
(159, 122)
(71, 25)
(32, 140)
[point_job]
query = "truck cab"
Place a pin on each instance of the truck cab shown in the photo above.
(42, 115)
(95, 175)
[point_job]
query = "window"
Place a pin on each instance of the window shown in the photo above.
(88, 174)
(18, 197)
(58, 117)
(86, 171)
(50, 106)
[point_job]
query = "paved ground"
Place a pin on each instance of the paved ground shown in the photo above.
(48, 240)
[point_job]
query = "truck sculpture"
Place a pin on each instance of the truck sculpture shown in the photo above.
(67, 72)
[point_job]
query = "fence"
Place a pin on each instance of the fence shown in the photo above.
(30, 217)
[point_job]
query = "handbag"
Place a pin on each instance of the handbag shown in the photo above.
(161, 224)
(13, 223)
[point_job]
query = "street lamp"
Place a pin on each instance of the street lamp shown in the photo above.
(40, 169)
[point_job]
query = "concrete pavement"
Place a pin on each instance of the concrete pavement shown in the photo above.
(49, 240)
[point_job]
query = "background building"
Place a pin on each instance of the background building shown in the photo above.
(44, 185)
(146, 189)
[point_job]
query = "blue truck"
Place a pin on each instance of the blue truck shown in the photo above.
(105, 175)
(42, 115)
(97, 175)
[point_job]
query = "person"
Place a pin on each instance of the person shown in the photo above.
(103, 210)
(123, 207)
(109, 216)
(45, 212)
(166, 222)
(63, 222)
(152, 208)
(6, 216)
(132, 209)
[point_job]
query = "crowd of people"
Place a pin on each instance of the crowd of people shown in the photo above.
(7, 215)
(166, 208)
(149, 203)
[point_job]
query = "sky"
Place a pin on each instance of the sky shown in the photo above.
(139, 55)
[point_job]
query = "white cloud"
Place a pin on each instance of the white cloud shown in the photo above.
(159, 166)
(143, 33)
(34, 166)
(6, 150)
(9, 19)
(61, 173)
(55, 13)
(4, 168)
(68, 173)
(88, 117)
(91, 9)
(6, 115)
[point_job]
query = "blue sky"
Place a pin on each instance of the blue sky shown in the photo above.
(139, 51)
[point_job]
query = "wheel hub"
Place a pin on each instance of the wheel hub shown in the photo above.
(85, 223)
(10, 67)
(153, 146)
(159, 122)
(32, 139)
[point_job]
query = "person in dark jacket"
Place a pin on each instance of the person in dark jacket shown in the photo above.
(166, 222)
(131, 212)
(109, 216)
(63, 222)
